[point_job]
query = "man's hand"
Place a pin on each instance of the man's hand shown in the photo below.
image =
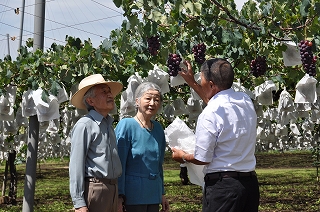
(177, 154)
(187, 75)
(82, 209)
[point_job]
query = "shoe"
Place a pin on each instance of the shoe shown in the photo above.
(184, 175)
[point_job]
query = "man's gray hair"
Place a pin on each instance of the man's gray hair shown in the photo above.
(89, 94)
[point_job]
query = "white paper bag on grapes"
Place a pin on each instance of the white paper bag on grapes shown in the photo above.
(53, 126)
(261, 132)
(180, 136)
(46, 110)
(7, 102)
(306, 91)
(285, 102)
(264, 94)
(179, 107)
(62, 95)
(9, 127)
(239, 88)
(194, 107)
(176, 81)
(294, 128)
(168, 112)
(315, 115)
(133, 82)
(159, 77)
(21, 121)
(291, 57)
(307, 125)
(281, 130)
(127, 102)
(318, 90)
(259, 108)
(127, 108)
(197, 78)
(302, 106)
(285, 117)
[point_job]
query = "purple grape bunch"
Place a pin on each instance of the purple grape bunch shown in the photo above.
(199, 52)
(173, 64)
(153, 45)
(307, 58)
(258, 66)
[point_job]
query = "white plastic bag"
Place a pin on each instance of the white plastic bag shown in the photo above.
(180, 136)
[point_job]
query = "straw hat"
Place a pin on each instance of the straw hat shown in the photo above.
(87, 83)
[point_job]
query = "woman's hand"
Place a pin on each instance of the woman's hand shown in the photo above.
(82, 209)
(120, 205)
(164, 204)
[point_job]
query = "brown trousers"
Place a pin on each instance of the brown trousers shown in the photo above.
(101, 195)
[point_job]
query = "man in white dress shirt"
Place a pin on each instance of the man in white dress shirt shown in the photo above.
(225, 140)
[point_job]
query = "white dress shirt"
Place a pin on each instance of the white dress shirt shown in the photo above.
(226, 133)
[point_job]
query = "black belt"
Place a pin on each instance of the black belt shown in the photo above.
(101, 180)
(219, 175)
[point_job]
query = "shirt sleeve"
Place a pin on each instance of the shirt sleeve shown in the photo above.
(206, 138)
(79, 145)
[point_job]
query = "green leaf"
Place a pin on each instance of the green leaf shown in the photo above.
(106, 44)
(9, 74)
(305, 5)
(55, 87)
(317, 8)
(98, 54)
(118, 3)
(266, 9)
(225, 36)
(155, 16)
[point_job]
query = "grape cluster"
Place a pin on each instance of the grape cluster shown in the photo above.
(258, 66)
(173, 64)
(153, 45)
(307, 58)
(199, 52)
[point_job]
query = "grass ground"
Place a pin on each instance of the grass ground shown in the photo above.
(288, 182)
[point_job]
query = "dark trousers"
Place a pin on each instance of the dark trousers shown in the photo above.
(231, 195)
(143, 208)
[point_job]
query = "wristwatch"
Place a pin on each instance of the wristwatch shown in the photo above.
(184, 160)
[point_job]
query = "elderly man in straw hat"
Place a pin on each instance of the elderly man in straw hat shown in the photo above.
(94, 162)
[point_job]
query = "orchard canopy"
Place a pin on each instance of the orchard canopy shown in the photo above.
(261, 29)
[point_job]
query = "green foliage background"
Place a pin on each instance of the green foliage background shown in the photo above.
(258, 29)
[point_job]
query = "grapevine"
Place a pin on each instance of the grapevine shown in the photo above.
(307, 58)
(173, 64)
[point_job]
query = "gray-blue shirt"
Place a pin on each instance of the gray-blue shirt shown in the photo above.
(93, 153)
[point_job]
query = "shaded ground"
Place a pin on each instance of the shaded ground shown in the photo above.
(280, 191)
